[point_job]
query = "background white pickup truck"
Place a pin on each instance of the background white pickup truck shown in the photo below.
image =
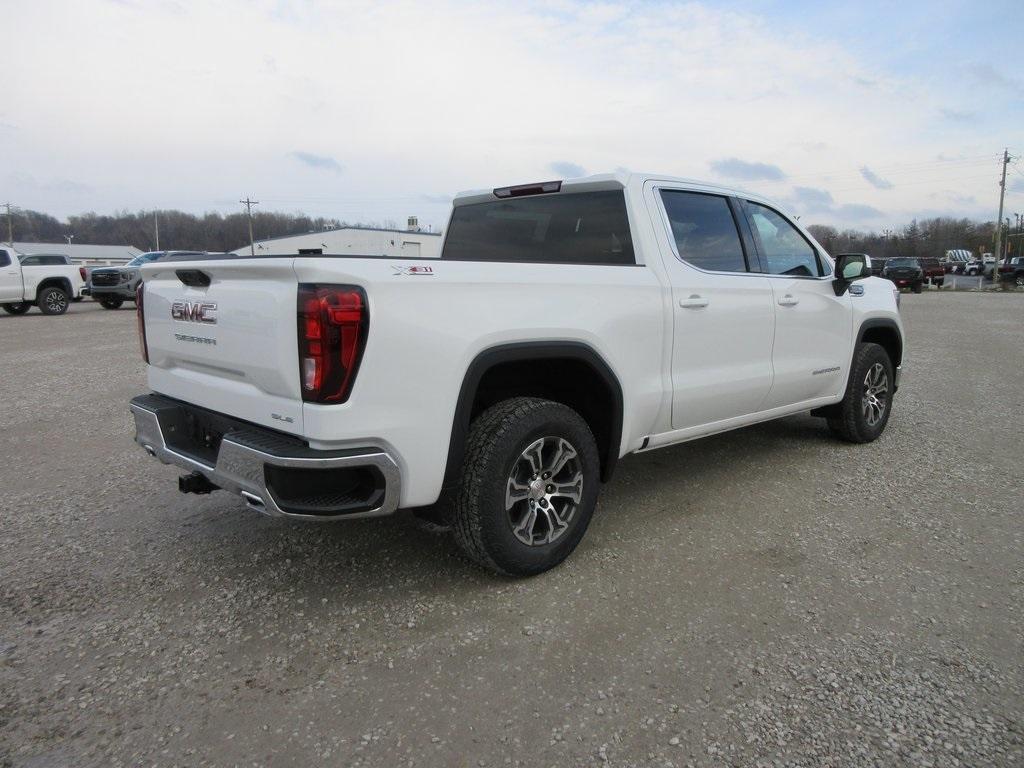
(50, 284)
(565, 325)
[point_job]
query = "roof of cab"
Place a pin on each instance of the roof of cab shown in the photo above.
(616, 180)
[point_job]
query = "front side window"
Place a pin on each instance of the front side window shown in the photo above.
(563, 228)
(704, 230)
(5, 260)
(784, 249)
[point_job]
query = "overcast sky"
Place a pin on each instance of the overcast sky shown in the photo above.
(862, 114)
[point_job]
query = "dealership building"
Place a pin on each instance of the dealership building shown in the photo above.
(353, 240)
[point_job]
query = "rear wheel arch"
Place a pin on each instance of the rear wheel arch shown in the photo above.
(506, 371)
(54, 282)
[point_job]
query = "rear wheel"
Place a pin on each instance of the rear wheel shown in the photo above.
(111, 303)
(53, 301)
(18, 308)
(917, 287)
(862, 414)
(528, 488)
(1019, 281)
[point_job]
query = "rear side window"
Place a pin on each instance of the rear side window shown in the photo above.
(784, 248)
(704, 230)
(29, 261)
(564, 228)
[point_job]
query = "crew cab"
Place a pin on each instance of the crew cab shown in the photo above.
(565, 325)
(47, 281)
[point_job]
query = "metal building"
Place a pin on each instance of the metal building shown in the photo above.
(82, 254)
(363, 241)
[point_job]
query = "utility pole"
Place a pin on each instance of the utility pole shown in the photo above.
(999, 221)
(10, 225)
(156, 228)
(252, 243)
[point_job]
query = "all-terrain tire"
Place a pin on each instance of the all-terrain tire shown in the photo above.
(918, 287)
(53, 301)
(851, 419)
(498, 438)
(17, 308)
(111, 303)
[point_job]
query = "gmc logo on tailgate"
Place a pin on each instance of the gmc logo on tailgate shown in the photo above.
(194, 311)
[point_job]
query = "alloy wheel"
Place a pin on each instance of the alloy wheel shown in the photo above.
(876, 394)
(544, 491)
(56, 302)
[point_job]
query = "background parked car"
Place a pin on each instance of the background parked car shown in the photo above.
(933, 270)
(905, 272)
(980, 266)
(113, 286)
(1013, 271)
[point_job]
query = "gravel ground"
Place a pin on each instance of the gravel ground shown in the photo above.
(761, 598)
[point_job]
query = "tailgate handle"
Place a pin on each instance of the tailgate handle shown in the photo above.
(194, 277)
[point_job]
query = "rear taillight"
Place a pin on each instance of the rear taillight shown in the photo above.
(332, 325)
(140, 317)
(81, 271)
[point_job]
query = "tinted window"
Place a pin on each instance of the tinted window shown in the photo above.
(565, 228)
(45, 259)
(785, 250)
(704, 230)
(5, 260)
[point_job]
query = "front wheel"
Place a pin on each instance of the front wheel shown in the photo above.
(111, 303)
(1019, 281)
(18, 308)
(918, 287)
(528, 487)
(53, 301)
(862, 414)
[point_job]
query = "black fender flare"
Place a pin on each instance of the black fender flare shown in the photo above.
(55, 282)
(882, 322)
(517, 352)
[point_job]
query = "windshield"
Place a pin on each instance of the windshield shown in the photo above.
(898, 262)
(145, 258)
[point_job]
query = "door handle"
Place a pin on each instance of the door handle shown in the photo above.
(789, 301)
(694, 302)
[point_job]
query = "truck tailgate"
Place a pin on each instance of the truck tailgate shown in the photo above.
(229, 346)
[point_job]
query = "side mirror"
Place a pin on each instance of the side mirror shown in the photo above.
(850, 267)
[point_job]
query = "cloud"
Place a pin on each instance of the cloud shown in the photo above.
(734, 168)
(986, 74)
(436, 199)
(813, 199)
(957, 115)
(856, 211)
(567, 170)
(874, 179)
(321, 162)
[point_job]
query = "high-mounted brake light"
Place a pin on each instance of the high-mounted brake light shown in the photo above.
(332, 324)
(542, 188)
(140, 317)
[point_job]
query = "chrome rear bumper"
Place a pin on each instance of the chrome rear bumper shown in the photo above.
(244, 455)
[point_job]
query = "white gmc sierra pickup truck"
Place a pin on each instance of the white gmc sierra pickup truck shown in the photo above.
(48, 281)
(565, 325)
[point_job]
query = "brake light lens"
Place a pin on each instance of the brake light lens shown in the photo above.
(140, 317)
(81, 271)
(332, 325)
